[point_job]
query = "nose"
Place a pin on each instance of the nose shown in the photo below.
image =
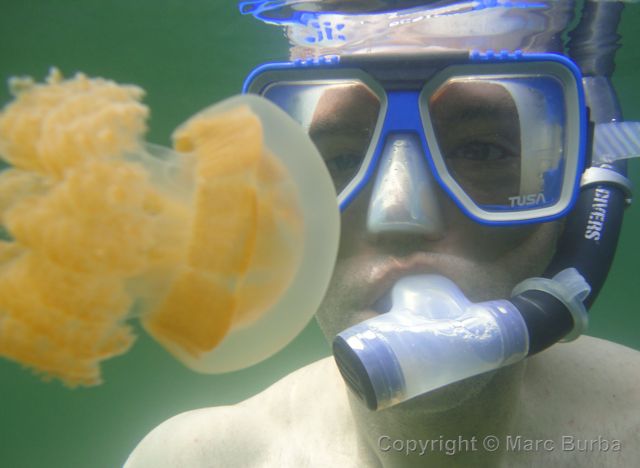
(404, 193)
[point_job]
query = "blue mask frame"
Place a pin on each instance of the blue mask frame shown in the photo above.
(400, 83)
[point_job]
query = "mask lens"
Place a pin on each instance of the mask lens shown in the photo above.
(500, 140)
(340, 117)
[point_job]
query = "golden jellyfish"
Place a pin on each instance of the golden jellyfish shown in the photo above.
(222, 247)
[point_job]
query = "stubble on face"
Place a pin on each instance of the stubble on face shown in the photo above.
(485, 262)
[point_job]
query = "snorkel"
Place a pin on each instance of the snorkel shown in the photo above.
(433, 335)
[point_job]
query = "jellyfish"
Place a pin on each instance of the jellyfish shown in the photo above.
(206, 244)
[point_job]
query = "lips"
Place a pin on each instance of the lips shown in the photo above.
(362, 283)
(417, 264)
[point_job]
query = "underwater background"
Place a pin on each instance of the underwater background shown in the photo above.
(188, 55)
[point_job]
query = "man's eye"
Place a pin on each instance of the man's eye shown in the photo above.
(480, 151)
(343, 162)
(343, 167)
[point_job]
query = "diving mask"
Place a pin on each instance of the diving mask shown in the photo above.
(503, 134)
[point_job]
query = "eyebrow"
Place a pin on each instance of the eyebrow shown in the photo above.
(472, 111)
(332, 128)
(469, 102)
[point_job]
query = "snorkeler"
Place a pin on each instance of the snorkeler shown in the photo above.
(439, 254)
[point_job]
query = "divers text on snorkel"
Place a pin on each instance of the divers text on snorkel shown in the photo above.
(597, 215)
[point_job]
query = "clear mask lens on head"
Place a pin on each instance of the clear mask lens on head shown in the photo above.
(504, 140)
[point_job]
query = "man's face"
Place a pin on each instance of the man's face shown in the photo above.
(486, 262)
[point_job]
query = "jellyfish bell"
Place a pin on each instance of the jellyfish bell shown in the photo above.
(271, 234)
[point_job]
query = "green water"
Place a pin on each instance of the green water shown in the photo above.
(188, 54)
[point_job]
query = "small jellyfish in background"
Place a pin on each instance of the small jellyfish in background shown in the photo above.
(95, 223)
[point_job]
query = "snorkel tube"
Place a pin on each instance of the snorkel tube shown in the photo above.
(434, 336)
(592, 229)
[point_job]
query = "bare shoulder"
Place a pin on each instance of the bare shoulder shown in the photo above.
(288, 424)
(588, 368)
(584, 396)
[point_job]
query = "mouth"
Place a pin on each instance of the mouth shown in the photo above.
(385, 277)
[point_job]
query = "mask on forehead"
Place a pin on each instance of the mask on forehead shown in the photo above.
(337, 27)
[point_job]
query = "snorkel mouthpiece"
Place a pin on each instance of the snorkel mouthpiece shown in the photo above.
(432, 336)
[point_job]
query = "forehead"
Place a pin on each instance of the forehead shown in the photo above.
(534, 26)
